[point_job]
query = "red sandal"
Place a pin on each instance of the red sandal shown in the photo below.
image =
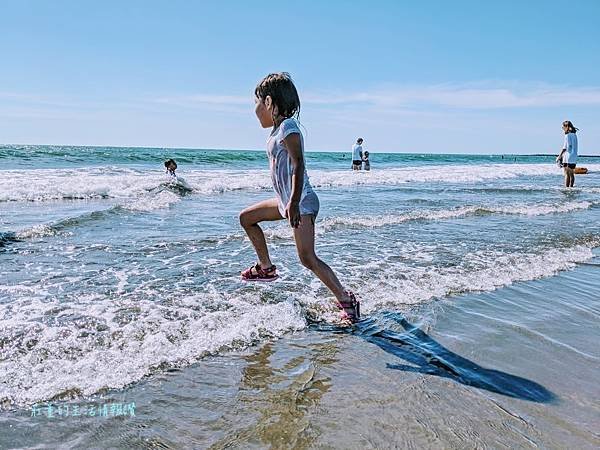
(257, 273)
(350, 309)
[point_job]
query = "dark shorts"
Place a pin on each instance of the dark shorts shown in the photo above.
(356, 162)
(570, 166)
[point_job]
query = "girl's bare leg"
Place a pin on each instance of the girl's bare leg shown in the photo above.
(569, 177)
(572, 177)
(305, 244)
(250, 218)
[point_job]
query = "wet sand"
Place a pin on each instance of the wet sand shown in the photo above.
(517, 367)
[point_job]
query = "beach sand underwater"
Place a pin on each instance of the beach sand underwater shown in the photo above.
(120, 299)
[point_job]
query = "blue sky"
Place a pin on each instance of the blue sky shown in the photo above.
(430, 76)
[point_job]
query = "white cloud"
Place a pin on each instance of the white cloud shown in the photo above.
(482, 95)
(475, 96)
(205, 99)
(386, 99)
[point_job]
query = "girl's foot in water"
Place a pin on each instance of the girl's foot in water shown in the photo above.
(257, 273)
(350, 307)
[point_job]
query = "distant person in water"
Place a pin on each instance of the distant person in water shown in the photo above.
(366, 161)
(568, 155)
(357, 154)
(171, 167)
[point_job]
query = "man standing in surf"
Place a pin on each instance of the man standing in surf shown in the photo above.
(278, 106)
(357, 154)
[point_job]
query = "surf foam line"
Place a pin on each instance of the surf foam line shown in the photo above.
(38, 185)
(64, 348)
(421, 284)
(519, 209)
(82, 349)
(159, 201)
(60, 226)
(283, 231)
(218, 181)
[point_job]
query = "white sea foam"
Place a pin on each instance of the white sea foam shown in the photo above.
(517, 209)
(97, 349)
(160, 200)
(86, 183)
(376, 221)
(36, 231)
(57, 184)
(120, 183)
(97, 341)
(282, 231)
(492, 269)
(540, 209)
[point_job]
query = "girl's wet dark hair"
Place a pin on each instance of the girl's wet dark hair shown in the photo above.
(170, 161)
(283, 93)
(570, 127)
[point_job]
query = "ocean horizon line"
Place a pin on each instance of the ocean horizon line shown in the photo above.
(262, 150)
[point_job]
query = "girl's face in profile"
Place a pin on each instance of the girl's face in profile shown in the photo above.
(264, 111)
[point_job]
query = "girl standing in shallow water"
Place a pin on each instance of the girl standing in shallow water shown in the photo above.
(568, 155)
(278, 106)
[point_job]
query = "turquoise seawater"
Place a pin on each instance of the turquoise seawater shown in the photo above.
(110, 273)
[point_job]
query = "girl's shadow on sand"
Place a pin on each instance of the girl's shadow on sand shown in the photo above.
(431, 358)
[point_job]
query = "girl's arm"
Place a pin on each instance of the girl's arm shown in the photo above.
(294, 147)
(566, 144)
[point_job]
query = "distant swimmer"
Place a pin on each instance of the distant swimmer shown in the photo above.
(357, 154)
(174, 182)
(171, 167)
(568, 155)
(366, 161)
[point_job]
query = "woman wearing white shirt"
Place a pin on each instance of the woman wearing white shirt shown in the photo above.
(568, 155)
